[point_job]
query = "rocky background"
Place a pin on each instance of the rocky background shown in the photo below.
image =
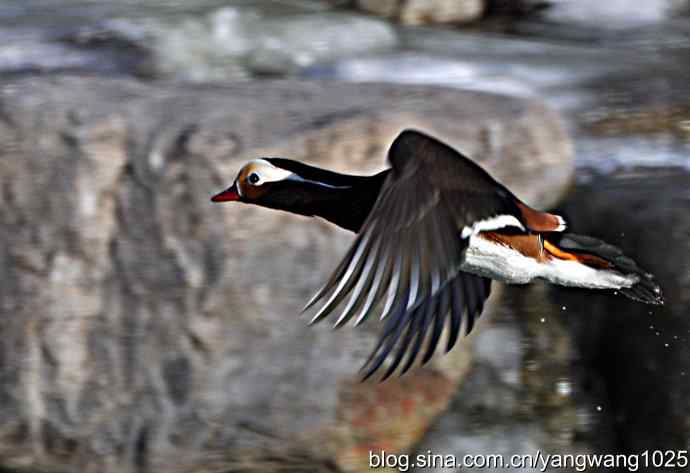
(146, 330)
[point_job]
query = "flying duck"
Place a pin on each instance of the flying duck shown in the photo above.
(432, 232)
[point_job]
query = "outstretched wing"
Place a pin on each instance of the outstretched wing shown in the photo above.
(408, 252)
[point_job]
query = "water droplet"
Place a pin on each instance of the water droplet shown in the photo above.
(563, 387)
(542, 320)
(599, 408)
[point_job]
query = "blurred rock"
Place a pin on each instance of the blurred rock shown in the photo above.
(386, 8)
(145, 329)
(208, 40)
(610, 14)
(515, 8)
(240, 38)
(418, 12)
(21, 54)
(680, 7)
(229, 42)
(288, 44)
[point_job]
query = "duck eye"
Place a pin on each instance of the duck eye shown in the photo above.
(253, 178)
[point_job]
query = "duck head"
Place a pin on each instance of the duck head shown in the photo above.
(288, 185)
(295, 187)
(255, 183)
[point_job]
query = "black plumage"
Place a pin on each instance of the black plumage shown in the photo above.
(413, 237)
(646, 290)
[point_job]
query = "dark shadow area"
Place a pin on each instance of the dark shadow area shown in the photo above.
(634, 358)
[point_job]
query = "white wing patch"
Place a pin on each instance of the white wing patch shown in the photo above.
(267, 172)
(493, 223)
(561, 224)
(500, 262)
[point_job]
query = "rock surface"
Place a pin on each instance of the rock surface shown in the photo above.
(418, 12)
(145, 329)
(614, 13)
(205, 40)
(283, 47)
(229, 43)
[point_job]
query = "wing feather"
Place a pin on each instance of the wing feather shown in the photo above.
(404, 263)
(363, 284)
(347, 281)
(381, 279)
(457, 307)
(425, 314)
(439, 322)
(409, 324)
(391, 334)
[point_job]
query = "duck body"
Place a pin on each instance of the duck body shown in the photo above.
(432, 232)
(489, 257)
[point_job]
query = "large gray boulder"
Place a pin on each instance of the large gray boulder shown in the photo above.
(146, 329)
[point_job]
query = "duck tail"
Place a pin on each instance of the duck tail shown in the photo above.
(601, 255)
